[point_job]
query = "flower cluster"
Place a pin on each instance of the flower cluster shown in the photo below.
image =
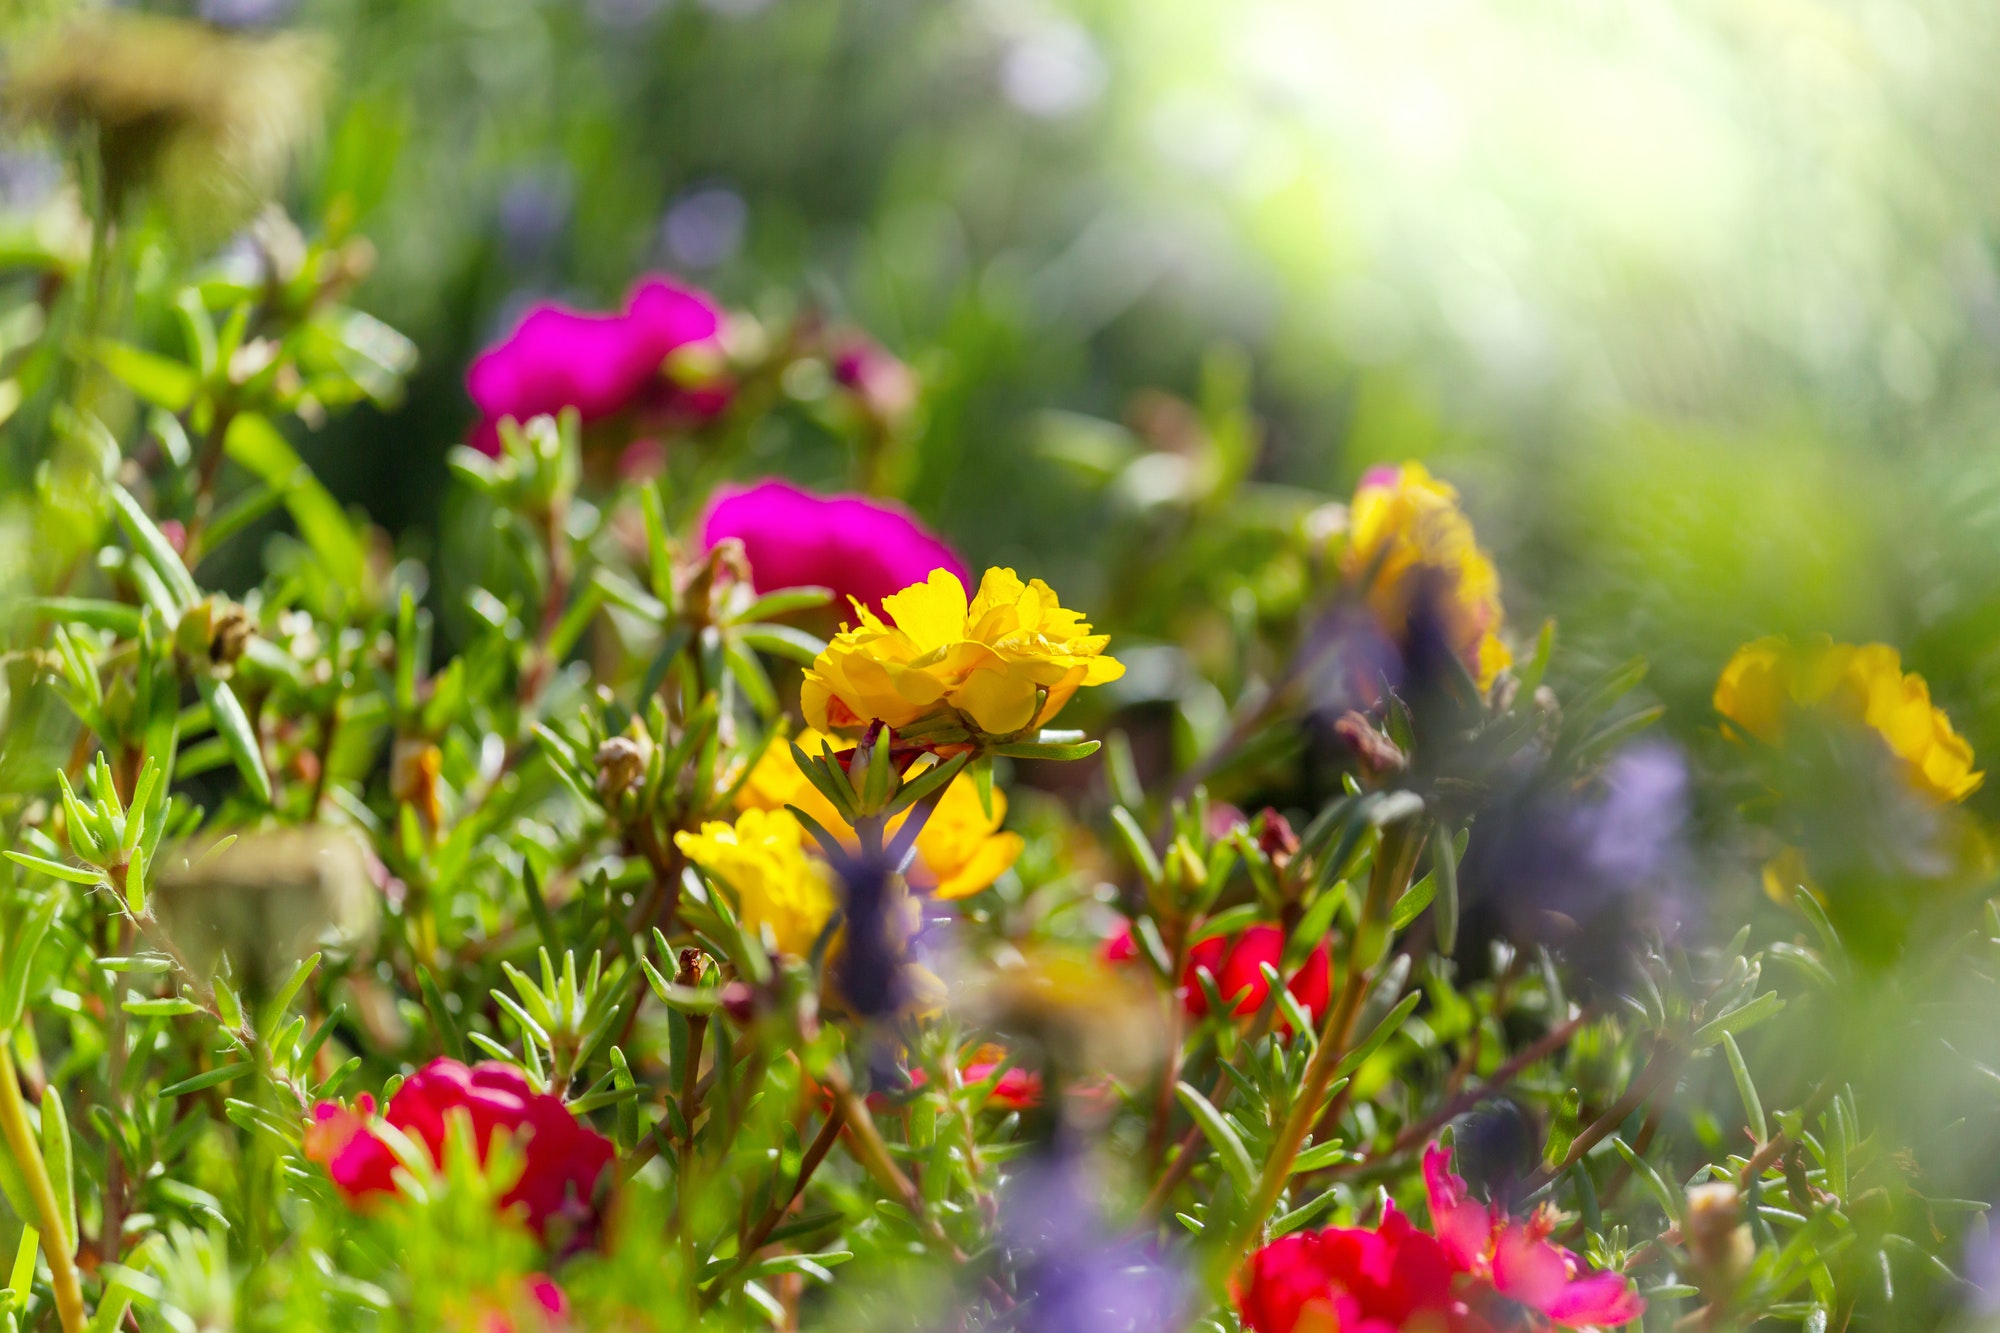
(1005, 661)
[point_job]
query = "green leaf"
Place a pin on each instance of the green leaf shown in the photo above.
(117, 617)
(232, 724)
(1228, 1145)
(255, 443)
(61, 1165)
(150, 542)
(274, 1009)
(1047, 749)
(1665, 1193)
(57, 870)
(1738, 1019)
(212, 1078)
(783, 601)
(19, 961)
(1387, 1028)
(1413, 902)
(781, 641)
(1137, 846)
(157, 379)
(1753, 1105)
(1444, 866)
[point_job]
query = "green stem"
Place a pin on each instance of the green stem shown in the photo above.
(1395, 858)
(59, 1246)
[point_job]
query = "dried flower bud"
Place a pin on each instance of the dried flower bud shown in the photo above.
(1378, 754)
(694, 965)
(1715, 1232)
(621, 764)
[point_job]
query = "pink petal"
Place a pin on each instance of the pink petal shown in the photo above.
(1601, 1300)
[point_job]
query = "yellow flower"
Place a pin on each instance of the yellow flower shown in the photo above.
(988, 659)
(1404, 524)
(959, 852)
(762, 856)
(1768, 679)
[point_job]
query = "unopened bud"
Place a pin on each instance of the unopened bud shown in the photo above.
(621, 764)
(1715, 1233)
(1275, 837)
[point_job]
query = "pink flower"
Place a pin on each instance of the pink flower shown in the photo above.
(564, 1157)
(546, 1301)
(862, 549)
(885, 388)
(1481, 1272)
(1518, 1258)
(599, 364)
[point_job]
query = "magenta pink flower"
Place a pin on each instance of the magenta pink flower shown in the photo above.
(861, 548)
(1480, 1271)
(599, 364)
(1518, 1258)
(564, 1157)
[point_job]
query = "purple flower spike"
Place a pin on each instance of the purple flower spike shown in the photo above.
(860, 548)
(598, 364)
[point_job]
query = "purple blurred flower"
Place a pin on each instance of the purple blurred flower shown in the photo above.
(1587, 872)
(704, 229)
(861, 548)
(531, 213)
(246, 13)
(598, 364)
(1071, 1275)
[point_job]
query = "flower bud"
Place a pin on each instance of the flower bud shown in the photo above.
(1716, 1234)
(622, 763)
(694, 965)
(1275, 837)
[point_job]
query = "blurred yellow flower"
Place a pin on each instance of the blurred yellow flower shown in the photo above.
(1768, 679)
(1404, 524)
(762, 856)
(960, 851)
(988, 660)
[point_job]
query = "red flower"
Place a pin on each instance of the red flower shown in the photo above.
(1018, 1089)
(1234, 962)
(1482, 1271)
(598, 364)
(564, 1157)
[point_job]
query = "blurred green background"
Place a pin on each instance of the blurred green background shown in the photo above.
(1696, 300)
